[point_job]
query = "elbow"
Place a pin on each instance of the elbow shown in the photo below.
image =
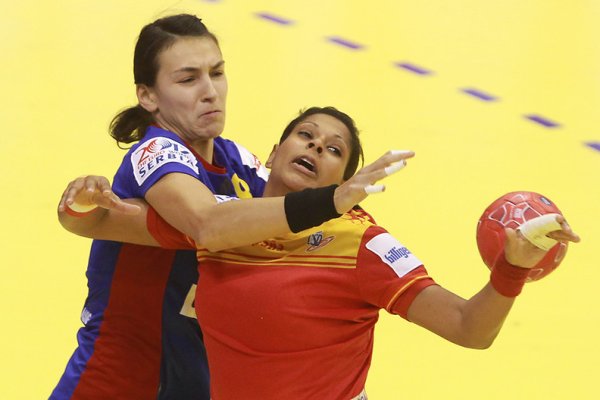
(208, 237)
(477, 342)
(481, 345)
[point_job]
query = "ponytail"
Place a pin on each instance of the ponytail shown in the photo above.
(130, 124)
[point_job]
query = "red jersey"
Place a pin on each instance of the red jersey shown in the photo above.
(294, 317)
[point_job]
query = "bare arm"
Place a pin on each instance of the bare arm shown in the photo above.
(195, 212)
(189, 206)
(477, 321)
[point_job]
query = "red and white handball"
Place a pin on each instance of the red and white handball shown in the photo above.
(514, 210)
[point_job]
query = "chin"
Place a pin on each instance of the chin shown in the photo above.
(297, 185)
(212, 131)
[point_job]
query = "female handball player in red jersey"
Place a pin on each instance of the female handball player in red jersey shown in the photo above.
(140, 338)
(293, 317)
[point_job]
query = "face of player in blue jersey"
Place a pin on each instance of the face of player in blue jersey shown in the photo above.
(190, 91)
(314, 154)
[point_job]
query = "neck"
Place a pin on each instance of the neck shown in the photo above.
(274, 189)
(204, 148)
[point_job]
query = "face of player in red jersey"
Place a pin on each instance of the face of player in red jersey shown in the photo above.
(189, 95)
(314, 154)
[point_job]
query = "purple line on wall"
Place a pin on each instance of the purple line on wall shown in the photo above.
(413, 68)
(542, 121)
(345, 42)
(479, 94)
(594, 145)
(273, 18)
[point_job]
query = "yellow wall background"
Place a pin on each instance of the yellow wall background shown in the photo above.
(66, 69)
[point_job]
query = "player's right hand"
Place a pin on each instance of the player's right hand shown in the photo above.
(357, 188)
(92, 190)
(522, 252)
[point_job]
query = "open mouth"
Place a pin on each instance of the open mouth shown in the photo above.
(306, 164)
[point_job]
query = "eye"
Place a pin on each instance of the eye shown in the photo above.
(306, 134)
(217, 73)
(187, 79)
(335, 150)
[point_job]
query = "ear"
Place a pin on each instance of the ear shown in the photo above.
(269, 162)
(146, 98)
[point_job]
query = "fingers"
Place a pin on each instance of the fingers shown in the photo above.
(70, 192)
(519, 251)
(537, 229)
(89, 190)
(370, 189)
(394, 167)
(386, 165)
(97, 183)
(124, 207)
(389, 158)
(546, 230)
(565, 234)
(363, 183)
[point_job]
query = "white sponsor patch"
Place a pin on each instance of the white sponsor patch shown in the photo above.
(156, 152)
(393, 253)
(250, 160)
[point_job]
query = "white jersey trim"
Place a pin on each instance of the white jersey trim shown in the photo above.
(250, 160)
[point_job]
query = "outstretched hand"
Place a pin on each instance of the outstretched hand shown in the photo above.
(92, 190)
(523, 253)
(363, 183)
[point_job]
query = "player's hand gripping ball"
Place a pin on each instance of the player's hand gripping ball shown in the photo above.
(511, 211)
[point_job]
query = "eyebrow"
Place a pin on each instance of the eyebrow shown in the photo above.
(194, 69)
(337, 135)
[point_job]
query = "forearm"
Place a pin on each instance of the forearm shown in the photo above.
(111, 224)
(237, 223)
(482, 317)
(472, 323)
(192, 209)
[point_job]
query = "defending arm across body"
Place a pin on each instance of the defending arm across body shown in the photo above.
(190, 206)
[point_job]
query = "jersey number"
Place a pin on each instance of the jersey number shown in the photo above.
(188, 305)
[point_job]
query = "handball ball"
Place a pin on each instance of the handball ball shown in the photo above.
(510, 211)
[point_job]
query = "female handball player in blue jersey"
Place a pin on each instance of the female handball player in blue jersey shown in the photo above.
(140, 338)
(293, 317)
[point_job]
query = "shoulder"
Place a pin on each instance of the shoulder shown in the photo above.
(238, 154)
(350, 229)
(158, 141)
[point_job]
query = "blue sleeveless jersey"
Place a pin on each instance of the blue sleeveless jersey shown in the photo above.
(140, 338)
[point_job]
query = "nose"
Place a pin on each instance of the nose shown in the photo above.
(209, 92)
(319, 149)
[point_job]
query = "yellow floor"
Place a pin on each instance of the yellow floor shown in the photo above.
(402, 69)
